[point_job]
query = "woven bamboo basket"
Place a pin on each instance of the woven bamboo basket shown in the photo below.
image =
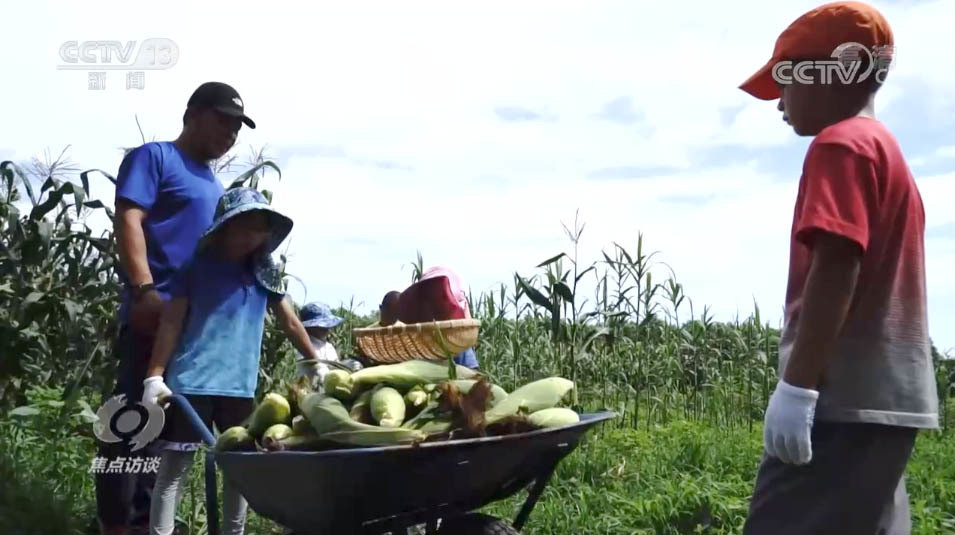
(436, 340)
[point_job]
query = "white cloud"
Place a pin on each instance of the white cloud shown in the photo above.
(945, 152)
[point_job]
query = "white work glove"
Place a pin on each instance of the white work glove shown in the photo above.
(314, 370)
(153, 389)
(786, 430)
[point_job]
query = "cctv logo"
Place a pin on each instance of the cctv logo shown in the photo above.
(136, 424)
(153, 54)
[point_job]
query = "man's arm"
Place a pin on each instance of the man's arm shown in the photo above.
(167, 338)
(131, 241)
(292, 327)
(828, 294)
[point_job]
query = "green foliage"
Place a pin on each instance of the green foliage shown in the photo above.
(688, 478)
(57, 285)
(46, 449)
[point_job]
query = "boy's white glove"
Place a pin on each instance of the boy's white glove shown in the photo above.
(153, 388)
(788, 423)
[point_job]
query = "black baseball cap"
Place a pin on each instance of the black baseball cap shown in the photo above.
(221, 97)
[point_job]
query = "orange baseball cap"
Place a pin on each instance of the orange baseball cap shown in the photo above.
(815, 35)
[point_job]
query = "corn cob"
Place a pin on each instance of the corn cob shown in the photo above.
(416, 397)
(234, 438)
(532, 397)
(339, 384)
(387, 407)
(554, 417)
(277, 432)
(327, 415)
(274, 409)
(405, 375)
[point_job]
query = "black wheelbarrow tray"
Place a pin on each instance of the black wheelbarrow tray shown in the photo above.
(389, 489)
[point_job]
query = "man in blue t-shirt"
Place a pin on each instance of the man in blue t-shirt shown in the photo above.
(166, 195)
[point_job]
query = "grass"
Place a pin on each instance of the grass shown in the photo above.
(679, 478)
(688, 478)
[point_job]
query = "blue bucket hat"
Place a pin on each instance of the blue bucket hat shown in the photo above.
(240, 200)
(319, 315)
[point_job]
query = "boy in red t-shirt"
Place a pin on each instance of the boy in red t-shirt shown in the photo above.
(856, 379)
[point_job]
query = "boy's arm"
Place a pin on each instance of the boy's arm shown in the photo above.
(170, 328)
(828, 293)
(292, 327)
(167, 338)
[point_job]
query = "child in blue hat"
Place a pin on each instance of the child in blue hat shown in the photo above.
(319, 322)
(210, 338)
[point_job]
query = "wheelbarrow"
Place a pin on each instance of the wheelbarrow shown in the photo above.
(391, 489)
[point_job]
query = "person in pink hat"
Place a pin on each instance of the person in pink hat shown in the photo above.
(425, 301)
(467, 357)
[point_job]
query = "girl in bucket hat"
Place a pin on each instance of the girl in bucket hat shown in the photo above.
(210, 337)
(319, 322)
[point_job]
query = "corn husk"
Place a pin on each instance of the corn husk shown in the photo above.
(360, 411)
(387, 407)
(530, 398)
(416, 399)
(339, 384)
(331, 421)
(235, 439)
(274, 409)
(431, 420)
(300, 425)
(498, 394)
(554, 417)
(406, 375)
(375, 436)
(295, 442)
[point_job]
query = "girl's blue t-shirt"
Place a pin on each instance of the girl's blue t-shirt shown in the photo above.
(221, 341)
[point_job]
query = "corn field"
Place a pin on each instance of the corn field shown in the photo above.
(630, 339)
(634, 345)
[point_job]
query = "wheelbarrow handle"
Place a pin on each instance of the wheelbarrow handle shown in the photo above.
(331, 363)
(183, 405)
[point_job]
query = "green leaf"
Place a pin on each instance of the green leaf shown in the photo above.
(86, 413)
(79, 195)
(84, 176)
(73, 309)
(564, 292)
(44, 208)
(534, 294)
(550, 261)
(584, 272)
(251, 174)
(50, 183)
(32, 297)
(45, 230)
(25, 411)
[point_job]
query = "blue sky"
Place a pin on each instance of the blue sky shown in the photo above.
(471, 133)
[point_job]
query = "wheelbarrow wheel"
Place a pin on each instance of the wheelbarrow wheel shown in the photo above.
(476, 524)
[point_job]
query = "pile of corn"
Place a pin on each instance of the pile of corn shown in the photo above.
(395, 404)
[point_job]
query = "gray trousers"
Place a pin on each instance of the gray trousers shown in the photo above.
(854, 485)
